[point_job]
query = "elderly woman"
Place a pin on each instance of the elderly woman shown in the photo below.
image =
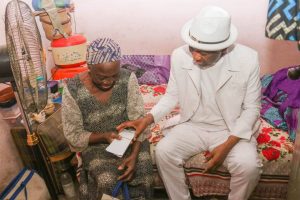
(94, 104)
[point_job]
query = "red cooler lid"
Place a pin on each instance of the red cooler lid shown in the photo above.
(70, 41)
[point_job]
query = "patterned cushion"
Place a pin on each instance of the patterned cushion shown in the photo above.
(152, 94)
(274, 144)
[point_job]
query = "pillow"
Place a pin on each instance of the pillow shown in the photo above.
(151, 94)
(273, 143)
(149, 69)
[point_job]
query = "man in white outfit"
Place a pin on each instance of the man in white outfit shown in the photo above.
(217, 86)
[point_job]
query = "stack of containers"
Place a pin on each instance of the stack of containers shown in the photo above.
(68, 50)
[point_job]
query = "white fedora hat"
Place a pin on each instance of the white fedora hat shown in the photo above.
(210, 30)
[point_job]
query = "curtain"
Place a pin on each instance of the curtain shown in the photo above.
(283, 20)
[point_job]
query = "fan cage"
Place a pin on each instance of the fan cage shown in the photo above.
(26, 56)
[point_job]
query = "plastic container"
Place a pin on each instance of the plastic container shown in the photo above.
(40, 82)
(62, 73)
(41, 85)
(11, 112)
(6, 94)
(53, 86)
(13, 122)
(68, 185)
(12, 115)
(37, 4)
(69, 52)
(8, 103)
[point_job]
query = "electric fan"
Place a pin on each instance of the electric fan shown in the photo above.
(26, 56)
(27, 63)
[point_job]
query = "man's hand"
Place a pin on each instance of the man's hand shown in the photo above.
(129, 165)
(110, 136)
(139, 125)
(216, 158)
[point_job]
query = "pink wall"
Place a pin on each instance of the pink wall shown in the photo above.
(153, 26)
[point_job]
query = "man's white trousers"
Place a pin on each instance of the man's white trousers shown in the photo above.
(185, 140)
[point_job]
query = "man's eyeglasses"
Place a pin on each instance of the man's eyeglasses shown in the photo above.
(100, 78)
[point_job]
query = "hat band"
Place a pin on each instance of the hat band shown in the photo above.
(193, 38)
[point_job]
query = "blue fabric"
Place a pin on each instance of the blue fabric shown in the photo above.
(125, 190)
(22, 186)
(12, 184)
(280, 102)
(15, 182)
(38, 5)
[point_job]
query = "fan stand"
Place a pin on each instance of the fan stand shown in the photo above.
(33, 143)
(32, 139)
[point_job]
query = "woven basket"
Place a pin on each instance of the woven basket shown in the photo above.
(65, 18)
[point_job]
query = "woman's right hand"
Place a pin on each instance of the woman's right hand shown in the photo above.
(139, 125)
(110, 136)
(106, 137)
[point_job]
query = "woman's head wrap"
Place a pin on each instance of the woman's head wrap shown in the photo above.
(103, 50)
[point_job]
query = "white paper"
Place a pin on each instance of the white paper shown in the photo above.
(118, 147)
(108, 197)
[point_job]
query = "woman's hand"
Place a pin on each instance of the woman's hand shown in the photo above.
(139, 125)
(106, 137)
(129, 165)
(110, 136)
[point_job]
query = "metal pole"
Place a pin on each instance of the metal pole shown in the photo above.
(294, 182)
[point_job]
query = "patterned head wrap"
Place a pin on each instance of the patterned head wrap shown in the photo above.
(103, 50)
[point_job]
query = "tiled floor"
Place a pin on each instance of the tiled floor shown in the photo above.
(161, 195)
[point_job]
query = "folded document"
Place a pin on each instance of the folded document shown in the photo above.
(118, 147)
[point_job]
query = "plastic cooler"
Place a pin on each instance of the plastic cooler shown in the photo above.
(62, 73)
(69, 52)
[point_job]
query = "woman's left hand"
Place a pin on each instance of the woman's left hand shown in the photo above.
(129, 165)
